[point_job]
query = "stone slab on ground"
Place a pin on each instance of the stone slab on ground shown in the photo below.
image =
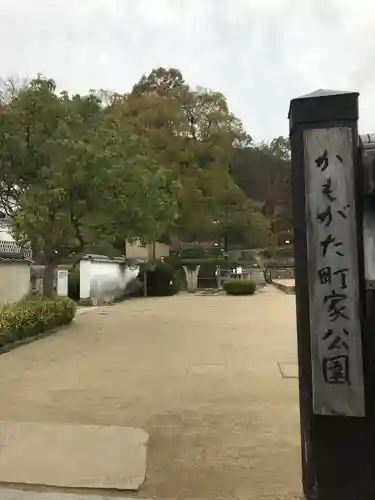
(72, 456)
(12, 494)
(285, 285)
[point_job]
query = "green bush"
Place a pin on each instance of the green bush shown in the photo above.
(73, 284)
(33, 316)
(161, 281)
(239, 287)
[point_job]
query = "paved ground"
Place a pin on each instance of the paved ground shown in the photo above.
(199, 373)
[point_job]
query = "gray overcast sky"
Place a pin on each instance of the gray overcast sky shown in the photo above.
(259, 53)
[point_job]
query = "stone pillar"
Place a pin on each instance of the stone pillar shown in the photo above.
(336, 402)
(84, 279)
(191, 278)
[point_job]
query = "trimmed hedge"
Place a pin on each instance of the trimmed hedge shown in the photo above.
(239, 287)
(33, 316)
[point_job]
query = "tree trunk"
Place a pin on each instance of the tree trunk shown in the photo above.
(49, 280)
(36, 254)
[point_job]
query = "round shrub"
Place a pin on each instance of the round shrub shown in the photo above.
(239, 287)
(33, 316)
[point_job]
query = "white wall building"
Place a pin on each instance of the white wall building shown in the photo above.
(14, 267)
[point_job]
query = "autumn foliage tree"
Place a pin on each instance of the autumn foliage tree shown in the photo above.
(193, 132)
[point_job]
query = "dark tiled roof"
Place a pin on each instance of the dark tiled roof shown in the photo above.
(9, 258)
(104, 259)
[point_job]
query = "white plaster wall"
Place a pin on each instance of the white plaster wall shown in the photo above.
(100, 279)
(14, 281)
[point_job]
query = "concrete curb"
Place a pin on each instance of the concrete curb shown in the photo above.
(289, 289)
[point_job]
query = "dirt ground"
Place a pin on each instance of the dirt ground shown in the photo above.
(199, 373)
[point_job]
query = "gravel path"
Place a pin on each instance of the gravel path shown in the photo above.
(199, 373)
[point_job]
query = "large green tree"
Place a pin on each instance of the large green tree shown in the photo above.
(73, 175)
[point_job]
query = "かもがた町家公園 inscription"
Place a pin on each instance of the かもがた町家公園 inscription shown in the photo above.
(335, 326)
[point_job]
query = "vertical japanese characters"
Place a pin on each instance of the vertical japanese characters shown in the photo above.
(335, 329)
(336, 365)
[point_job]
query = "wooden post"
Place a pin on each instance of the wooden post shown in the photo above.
(337, 433)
